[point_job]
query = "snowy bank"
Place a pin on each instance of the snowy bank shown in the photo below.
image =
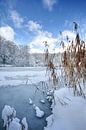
(69, 112)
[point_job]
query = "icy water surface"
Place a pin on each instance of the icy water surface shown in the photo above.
(18, 97)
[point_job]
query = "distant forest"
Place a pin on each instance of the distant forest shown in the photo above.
(19, 55)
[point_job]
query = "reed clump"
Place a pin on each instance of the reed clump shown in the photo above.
(74, 63)
(49, 60)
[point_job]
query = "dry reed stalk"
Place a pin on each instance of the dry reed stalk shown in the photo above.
(74, 63)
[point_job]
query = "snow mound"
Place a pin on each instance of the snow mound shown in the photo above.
(39, 113)
(30, 101)
(42, 101)
(49, 98)
(15, 125)
(8, 113)
(24, 123)
(11, 122)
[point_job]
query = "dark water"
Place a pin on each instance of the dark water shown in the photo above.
(18, 97)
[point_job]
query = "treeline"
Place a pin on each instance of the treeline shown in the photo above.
(12, 54)
(19, 55)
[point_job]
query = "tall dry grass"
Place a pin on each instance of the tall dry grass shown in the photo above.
(74, 63)
(49, 58)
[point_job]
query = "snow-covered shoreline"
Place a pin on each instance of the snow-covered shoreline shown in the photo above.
(68, 111)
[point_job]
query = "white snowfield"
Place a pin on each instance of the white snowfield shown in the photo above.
(22, 75)
(69, 112)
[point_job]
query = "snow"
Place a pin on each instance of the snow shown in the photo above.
(50, 92)
(24, 122)
(15, 125)
(21, 75)
(50, 95)
(7, 114)
(39, 113)
(49, 120)
(34, 106)
(69, 111)
(11, 121)
(42, 101)
(30, 101)
(49, 98)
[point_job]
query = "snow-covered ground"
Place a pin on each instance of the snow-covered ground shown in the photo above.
(21, 75)
(69, 111)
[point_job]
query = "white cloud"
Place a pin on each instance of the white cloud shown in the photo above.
(41, 35)
(67, 33)
(37, 42)
(34, 26)
(17, 19)
(83, 31)
(70, 34)
(49, 4)
(35, 50)
(7, 32)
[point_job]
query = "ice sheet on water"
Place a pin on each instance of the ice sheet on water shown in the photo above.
(17, 76)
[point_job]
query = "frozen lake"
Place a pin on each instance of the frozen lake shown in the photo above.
(19, 75)
(17, 95)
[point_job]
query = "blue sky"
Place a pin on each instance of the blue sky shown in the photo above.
(31, 21)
